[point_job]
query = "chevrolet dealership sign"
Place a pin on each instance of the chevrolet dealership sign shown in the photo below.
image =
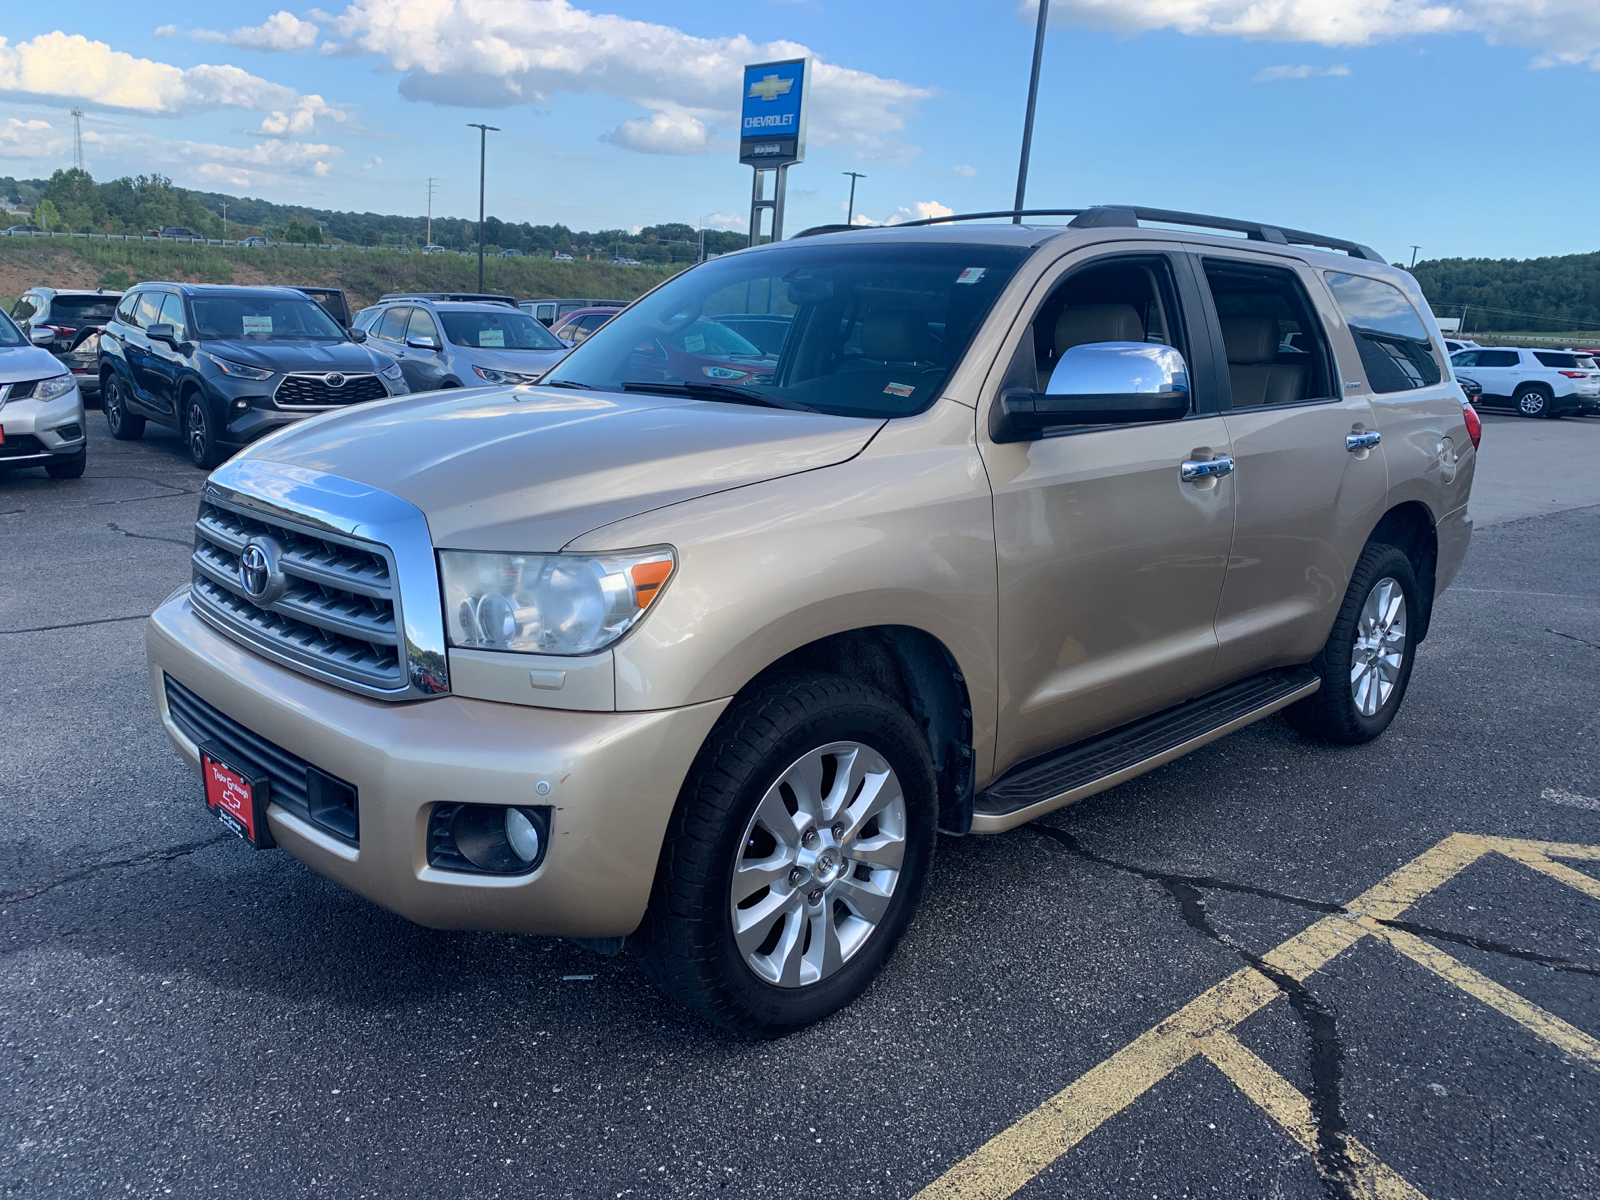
(772, 118)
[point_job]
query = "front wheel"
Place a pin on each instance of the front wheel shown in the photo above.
(124, 426)
(795, 858)
(1535, 402)
(69, 467)
(1366, 663)
(199, 433)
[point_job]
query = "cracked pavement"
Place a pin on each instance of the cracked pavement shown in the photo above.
(181, 1016)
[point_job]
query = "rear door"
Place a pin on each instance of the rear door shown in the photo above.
(1110, 564)
(136, 348)
(1497, 371)
(1305, 495)
(163, 365)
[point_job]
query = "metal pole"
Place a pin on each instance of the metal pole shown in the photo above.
(1033, 98)
(758, 192)
(483, 149)
(1414, 250)
(850, 212)
(782, 177)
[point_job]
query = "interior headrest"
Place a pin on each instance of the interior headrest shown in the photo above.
(1080, 324)
(1250, 340)
(897, 335)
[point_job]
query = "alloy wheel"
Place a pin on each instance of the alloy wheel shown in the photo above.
(1531, 404)
(197, 431)
(818, 864)
(1380, 646)
(111, 403)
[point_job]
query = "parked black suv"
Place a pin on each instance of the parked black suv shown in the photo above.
(226, 365)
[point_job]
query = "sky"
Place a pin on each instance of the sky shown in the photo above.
(1463, 127)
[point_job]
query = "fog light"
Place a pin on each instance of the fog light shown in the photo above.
(241, 405)
(492, 839)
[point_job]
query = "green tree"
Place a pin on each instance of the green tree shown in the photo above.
(47, 217)
(77, 198)
(303, 229)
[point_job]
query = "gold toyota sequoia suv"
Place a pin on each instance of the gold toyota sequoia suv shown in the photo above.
(815, 551)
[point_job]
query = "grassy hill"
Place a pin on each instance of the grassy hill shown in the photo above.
(88, 263)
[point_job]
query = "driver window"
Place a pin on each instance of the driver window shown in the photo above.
(150, 308)
(172, 314)
(1124, 300)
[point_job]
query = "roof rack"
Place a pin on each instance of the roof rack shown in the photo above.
(1128, 217)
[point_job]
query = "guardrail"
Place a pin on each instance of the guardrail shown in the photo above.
(331, 246)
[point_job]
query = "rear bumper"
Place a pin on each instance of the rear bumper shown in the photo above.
(1454, 534)
(614, 778)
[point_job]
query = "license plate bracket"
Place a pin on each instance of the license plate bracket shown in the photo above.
(238, 796)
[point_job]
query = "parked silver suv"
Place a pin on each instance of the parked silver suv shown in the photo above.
(647, 656)
(449, 344)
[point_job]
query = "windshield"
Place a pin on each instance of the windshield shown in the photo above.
(854, 330)
(10, 335)
(262, 319)
(507, 330)
(84, 308)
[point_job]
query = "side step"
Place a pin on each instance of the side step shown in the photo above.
(1105, 760)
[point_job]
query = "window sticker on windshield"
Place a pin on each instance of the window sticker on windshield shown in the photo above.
(901, 389)
(971, 275)
(492, 337)
(255, 324)
(694, 343)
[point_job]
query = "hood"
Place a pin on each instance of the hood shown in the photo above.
(524, 362)
(529, 469)
(350, 357)
(28, 362)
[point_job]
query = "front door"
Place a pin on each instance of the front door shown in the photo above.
(1110, 563)
(1306, 496)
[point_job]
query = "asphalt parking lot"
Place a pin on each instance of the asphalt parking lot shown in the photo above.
(1271, 969)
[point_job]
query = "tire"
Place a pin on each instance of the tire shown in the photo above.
(1534, 401)
(200, 433)
(124, 426)
(69, 468)
(1352, 706)
(777, 738)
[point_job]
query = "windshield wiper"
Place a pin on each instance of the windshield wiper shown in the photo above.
(572, 383)
(716, 391)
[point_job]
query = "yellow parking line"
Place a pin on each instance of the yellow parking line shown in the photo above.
(1288, 1106)
(1529, 1015)
(1015, 1155)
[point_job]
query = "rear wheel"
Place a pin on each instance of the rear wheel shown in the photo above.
(124, 426)
(1366, 663)
(70, 467)
(199, 433)
(795, 858)
(1534, 400)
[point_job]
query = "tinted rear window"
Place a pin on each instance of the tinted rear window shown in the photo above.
(1560, 361)
(1497, 358)
(84, 308)
(1390, 336)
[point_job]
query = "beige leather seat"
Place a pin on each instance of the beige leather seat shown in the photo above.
(1082, 324)
(1252, 344)
(898, 335)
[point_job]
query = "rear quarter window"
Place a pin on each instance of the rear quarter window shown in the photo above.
(1549, 358)
(1391, 338)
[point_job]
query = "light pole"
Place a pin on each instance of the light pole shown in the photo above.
(483, 149)
(850, 212)
(1033, 98)
(1414, 250)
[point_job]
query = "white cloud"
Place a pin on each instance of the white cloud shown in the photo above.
(727, 221)
(30, 139)
(74, 68)
(921, 210)
(166, 31)
(376, 162)
(966, 172)
(1567, 30)
(477, 53)
(301, 118)
(1270, 74)
(280, 31)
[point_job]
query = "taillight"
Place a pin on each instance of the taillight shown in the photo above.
(1576, 374)
(1474, 424)
(61, 330)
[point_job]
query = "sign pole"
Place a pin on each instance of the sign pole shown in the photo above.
(772, 134)
(1033, 98)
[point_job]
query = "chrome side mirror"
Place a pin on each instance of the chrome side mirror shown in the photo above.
(423, 343)
(1100, 383)
(41, 336)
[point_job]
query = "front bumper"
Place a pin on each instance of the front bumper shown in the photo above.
(38, 432)
(614, 778)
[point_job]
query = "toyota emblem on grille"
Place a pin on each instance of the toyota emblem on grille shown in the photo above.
(259, 574)
(333, 379)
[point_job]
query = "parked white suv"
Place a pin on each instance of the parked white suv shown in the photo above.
(1535, 383)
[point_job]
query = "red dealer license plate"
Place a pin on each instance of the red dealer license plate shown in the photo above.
(238, 797)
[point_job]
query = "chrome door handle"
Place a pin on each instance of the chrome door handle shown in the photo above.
(1211, 468)
(1365, 440)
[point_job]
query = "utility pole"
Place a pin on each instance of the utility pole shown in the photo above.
(224, 220)
(850, 212)
(1033, 99)
(483, 150)
(430, 210)
(1414, 250)
(77, 138)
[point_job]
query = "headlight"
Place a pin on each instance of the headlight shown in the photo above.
(393, 371)
(549, 603)
(723, 373)
(237, 370)
(493, 376)
(49, 389)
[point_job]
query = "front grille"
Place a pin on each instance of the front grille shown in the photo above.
(337, 614)
(22, 445)
(309, 793)
(312, 391)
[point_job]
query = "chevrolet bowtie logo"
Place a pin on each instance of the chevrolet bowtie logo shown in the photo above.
(771, 87)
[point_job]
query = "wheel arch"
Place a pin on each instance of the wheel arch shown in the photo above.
(916, 669)
(1409, 527)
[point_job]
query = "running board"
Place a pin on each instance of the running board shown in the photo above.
(1084, 768)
